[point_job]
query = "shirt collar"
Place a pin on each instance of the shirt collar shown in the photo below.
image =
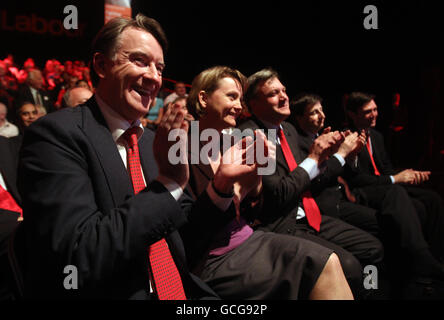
(33, 90)
(269, 125)
(116, 124)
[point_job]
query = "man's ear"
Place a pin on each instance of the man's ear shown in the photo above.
(203, 99)
(99, 64)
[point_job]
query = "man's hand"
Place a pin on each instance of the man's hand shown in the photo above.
(410, 176)
(352, 144)
(172, 119)
(325, 145)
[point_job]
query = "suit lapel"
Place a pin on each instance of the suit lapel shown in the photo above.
(292, 139)
(7, 168)
(280, 159)
(200, 175)
(96, 130)
(149, 165)
(375, 150)
(366, 155)
(304, 142)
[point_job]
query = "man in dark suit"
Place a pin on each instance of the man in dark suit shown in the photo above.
(99, 193)
(34, 92)
(10, 210)
(333, 195)
(284, 189)
(8, 181)
(376, 176)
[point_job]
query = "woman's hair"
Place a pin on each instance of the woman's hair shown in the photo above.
(208, 81)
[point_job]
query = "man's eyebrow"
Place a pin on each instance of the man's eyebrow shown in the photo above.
(139, 53)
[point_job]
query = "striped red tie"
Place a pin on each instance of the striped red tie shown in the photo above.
(166, 277)
(371, 156)
(311, 208)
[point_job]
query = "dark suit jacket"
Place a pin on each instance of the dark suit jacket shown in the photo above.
(80, 209)
(325, 187)
(8, 164)
(365, 172)
(25, 94)
(282, 190)
(8, 169)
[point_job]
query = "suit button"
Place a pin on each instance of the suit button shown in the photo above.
(289, 230)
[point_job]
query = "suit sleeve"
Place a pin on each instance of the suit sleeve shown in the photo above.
(356, 178)
(329, 175)
(282, 191)
(64, 222)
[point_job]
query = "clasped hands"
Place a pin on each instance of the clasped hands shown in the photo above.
(346, 144)
(238, 164)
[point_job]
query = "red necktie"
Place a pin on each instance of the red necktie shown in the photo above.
(371, 156)
(311, 208)
(7, 202)
(166, 277)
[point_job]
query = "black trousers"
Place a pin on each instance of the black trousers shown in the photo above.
(8, 222)
(333, 203)
(430, 209)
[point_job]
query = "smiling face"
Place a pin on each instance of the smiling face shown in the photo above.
(313, 119)
(222, 106)
(28, 114)
(131, 81)
(271, 102)
(366, 116)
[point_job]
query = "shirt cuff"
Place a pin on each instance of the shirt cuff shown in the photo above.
(172, 186)
(340, 158)
(311, 166)
(393, 179)
(222, 203)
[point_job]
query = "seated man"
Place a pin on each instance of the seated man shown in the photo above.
(10, 210)
(332, 195)
(374, 177)
(288, 208)
(75, 96)
(99, 194)
(236, 261)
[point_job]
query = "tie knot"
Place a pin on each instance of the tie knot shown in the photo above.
(130, 136)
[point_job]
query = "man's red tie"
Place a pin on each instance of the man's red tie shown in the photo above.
(311, 208)
(371, 156)
(7, 202)
(166, 277)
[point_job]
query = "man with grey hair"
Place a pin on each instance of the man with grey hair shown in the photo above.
(33, 91)
(7, 129)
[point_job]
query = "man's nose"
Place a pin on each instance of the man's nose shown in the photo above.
(152, 73)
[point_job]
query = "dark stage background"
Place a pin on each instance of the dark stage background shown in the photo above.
(316, 46)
